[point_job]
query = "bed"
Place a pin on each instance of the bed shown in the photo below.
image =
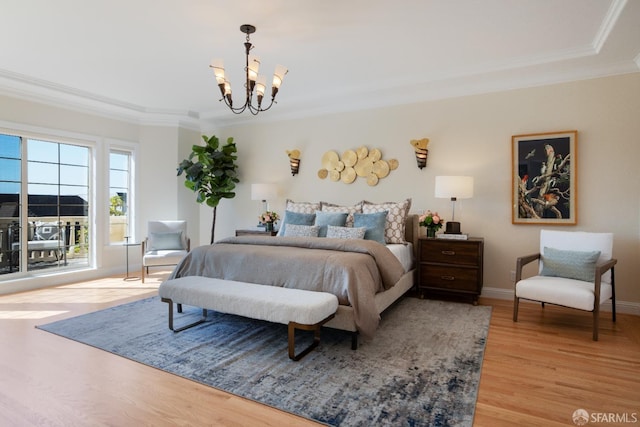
(367, 277)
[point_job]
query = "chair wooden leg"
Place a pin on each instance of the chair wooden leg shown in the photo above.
(613, 294)
(596, 316)
(142, 274)
(516, 302)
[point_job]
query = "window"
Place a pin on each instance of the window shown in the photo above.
(44, 213)
(119, 195)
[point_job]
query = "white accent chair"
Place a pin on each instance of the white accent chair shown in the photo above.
(166, 244)
(579, 273)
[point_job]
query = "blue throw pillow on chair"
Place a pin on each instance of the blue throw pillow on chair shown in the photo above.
(579, 265)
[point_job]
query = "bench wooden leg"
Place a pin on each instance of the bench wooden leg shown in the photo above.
(316, 337)
(182, 328)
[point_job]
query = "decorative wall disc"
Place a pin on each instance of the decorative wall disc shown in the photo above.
(348, 175)
(330, 160)
(381, 168)
(361, 162)
(349, 158)
(375, 155)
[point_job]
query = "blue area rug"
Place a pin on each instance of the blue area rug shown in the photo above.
(422, 368)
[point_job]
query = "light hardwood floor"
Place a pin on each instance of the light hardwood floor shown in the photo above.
(536, 372)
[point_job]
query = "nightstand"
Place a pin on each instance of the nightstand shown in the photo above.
(452, 267)
(256, 231)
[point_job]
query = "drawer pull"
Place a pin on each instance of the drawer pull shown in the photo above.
(448, 252)
(450, 278)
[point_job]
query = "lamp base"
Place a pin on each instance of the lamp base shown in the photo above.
(453, 227)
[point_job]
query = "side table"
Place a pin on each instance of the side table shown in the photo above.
(451, 266)
(126, 244)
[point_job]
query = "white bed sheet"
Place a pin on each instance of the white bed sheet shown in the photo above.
(404, 253)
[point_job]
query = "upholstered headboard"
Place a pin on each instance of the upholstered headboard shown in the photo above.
(412, 232)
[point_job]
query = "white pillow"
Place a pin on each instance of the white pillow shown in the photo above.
(336, 232)
(295, 230)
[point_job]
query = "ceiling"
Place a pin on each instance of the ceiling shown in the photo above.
(147, 60)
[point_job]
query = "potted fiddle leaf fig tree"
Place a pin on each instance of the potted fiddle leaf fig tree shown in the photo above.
(210, 171)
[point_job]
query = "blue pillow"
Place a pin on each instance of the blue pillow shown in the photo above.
(323, 219)
(579, 265)
(297, 218)
(373, 223)
(165, 241)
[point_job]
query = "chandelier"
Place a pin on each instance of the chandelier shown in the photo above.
(253, 81)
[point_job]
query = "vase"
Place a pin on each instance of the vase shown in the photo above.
(268, 226)
(431, 232)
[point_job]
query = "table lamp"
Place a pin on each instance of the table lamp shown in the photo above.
(264, 192)
(454, 187)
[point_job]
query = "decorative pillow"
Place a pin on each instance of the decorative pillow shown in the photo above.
(579, 265)
(336, 232)
(373, 223)
(165, 241)
(324, 219)
(397, 214)
(302, 207)
(296, 218)
(329, 207)
(295, 230)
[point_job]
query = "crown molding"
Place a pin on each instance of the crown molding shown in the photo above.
(27, 88)
(608, 24)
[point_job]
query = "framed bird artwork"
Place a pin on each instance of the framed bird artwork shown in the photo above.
(544, 175)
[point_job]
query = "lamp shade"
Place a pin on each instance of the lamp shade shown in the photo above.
(456, 187)
(264, 191)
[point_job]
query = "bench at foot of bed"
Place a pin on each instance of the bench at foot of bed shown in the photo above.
(299, 309)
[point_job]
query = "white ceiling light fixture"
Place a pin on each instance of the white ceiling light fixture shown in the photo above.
(253, 80)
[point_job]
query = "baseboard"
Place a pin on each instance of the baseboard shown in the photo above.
(626, 307)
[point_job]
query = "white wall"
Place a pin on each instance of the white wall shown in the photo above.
(469, 135)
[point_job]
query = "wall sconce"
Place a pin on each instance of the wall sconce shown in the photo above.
(294, 161)
(454, 187)
(420, 147)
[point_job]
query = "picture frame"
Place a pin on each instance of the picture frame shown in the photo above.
(544, 175)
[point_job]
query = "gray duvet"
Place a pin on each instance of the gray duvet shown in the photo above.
(353, 270)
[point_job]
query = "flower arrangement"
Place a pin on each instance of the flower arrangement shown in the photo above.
(268, 217)
(431, 220)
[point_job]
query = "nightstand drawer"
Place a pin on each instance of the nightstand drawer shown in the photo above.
(450, 252)
(449, 277)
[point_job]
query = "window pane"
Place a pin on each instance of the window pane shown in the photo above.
(43, 173)
(9, 188)
(119, 179)
(119, 182)
(77, 175)
(74, 155)
(119, 161)
(42, 151)
(9, 146)
(9, 169)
